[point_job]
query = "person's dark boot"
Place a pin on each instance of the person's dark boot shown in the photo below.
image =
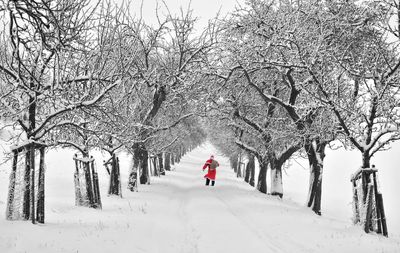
(207, 181)
(212, 183)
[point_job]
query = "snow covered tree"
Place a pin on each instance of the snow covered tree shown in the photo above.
(53, 61)
(49, 63)
(164, 55)
(352, 66)
(264, 44)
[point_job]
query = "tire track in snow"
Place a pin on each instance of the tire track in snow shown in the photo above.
(191, 235)
(272, 244)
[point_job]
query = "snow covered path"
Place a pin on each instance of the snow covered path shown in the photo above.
(178, 213)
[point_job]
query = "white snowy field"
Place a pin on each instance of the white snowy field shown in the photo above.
(177, 213)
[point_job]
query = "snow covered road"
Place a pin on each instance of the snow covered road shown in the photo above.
(178, 213)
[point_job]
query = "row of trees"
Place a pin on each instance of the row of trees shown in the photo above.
(290, 77)
(283, 77)
(86, 75)
(91, 74)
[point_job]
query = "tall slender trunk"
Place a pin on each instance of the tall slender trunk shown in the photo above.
(134, 170)
(161, 164)
(167, 161)
(144, 165)
(316, 153)
(247, 173)
(234, 161)
(239, 167)
(172, 159)
(28, 161)
(251, 166)
(31, 115)
(115, 183)
(262, 176)
(41, 192)
(155, 166)
(176, 157)
(11, 190)
(27, 188)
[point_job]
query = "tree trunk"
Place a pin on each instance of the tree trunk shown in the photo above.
(156, 169)
(366, 159)
(237, 163)
(234, 162)
(161, 164)
(143, 156)
(276, 178)
(262, 176)
(316, 154)
(115, 178)
(27, 189)
(96, 187)
(134, 170)
(239, 167)
(11, 190)
(167, 161)
(250, 170)
(247, 173)
(172, 159)
(41, 195)
(89, 184)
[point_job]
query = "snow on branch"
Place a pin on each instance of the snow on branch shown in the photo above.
(66, 143)
(247, 148)
(76, 106)
(170, 144)
(175, 123)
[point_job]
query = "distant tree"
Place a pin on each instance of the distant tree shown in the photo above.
(164, 57)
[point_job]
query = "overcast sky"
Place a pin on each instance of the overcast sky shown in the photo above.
(203, 9)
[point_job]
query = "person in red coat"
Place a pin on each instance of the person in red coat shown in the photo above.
(212, 165)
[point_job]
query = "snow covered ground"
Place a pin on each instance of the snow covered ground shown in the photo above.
(177, 213)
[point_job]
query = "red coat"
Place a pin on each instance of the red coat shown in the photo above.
(211, 172)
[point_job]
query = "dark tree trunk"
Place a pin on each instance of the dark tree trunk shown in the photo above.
(276, 177)
(172, 159)
(183, 152)
(41, 195)
(144, 166)
(250, 170)
(234, 162)
(27, 189)
(161, 164)
(316, 154)
(89, 184)
(262, 176)
(366, 159)
(156, 169)
(239, 167)
(115, 178)
(167, 161)
(247, 173)
(176, 157)
(96, 187)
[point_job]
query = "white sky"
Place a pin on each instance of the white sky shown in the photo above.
(202, 9)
